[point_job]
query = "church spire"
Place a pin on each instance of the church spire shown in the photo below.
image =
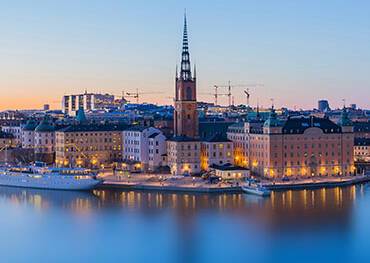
(185, 72)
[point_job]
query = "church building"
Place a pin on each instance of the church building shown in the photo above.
(183, 150)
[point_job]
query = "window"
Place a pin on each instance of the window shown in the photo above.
(189, 93)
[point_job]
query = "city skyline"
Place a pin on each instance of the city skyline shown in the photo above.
(309, 50)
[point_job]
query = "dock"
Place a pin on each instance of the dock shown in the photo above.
(197, 185)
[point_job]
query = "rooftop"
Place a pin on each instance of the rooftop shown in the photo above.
(94, 127)
(217, 138)
(182, 139)
(362, 141)
(153, 135)
(297, 125)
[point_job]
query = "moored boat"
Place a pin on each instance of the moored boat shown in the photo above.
(48, 178)
(256, 190)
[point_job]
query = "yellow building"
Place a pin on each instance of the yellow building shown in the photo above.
(361, 150)
(216, 150)
(7, 140)
(89, 145)
(183, 155)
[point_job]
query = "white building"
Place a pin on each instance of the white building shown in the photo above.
(157, 151)
(230, 172)
(136, 145)
(28, 135)
(87, 101)
(45, 142)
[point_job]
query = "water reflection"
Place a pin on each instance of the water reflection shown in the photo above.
(284, 209)
(76, 202)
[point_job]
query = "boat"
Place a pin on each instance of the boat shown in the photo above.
(256, 190)
(43, 177)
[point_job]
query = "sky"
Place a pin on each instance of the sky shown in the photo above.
(302, 51)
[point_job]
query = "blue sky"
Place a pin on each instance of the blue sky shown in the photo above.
(301, 50)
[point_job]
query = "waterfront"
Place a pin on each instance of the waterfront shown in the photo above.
(104, 226)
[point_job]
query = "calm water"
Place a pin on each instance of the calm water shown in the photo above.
(331, 225)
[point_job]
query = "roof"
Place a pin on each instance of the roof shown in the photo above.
(272, 120)
(209, 128)
(362, 141)
(153, 135)
(94, 127)
(361, 126)
(183, 139)
(44, 126)
(217, 138)
(237, 127)
(228, 167)
(81, 117)
(30, 125)
(300, 124)
(137, 128)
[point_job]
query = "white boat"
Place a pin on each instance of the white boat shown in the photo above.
(256, 190)
(48, 178)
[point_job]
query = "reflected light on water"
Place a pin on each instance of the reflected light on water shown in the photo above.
(187, 227)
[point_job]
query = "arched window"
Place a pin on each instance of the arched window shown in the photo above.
(189, 93)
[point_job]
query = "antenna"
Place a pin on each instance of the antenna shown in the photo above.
(272, 103)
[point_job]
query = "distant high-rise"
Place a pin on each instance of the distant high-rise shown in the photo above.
(185, 115)
(323, 105)
(87, 101)
(46, 107)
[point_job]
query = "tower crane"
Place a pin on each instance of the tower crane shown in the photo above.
(230, 87)
(247, 91)
(137, 94)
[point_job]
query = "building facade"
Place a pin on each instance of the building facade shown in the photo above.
(87, 101)
(216, 150)
(183, 155)
(298, 147)
(93, 146)
(14, 130)
(157, 151)
(44, 140)
(361, 150)
(28, 134)
(7, 140)
(136, 145)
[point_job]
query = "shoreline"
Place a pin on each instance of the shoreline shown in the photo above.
(229, 189)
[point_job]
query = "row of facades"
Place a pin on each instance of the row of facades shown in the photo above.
(297, 147)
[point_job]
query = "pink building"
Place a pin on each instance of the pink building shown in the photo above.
(298, 147)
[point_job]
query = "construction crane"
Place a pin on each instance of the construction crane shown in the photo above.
(216, 95)
(137, 94)
(247, 91)
(230, 87)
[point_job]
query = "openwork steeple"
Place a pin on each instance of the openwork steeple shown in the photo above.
(185, 72)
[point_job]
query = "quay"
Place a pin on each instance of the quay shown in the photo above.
(168, 183)
(198, 185)
(317, 183)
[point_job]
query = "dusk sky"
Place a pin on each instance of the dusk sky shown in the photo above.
(301, 51)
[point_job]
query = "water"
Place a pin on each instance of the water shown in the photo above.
(331, 225)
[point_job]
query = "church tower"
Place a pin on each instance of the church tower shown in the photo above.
(185, 115)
